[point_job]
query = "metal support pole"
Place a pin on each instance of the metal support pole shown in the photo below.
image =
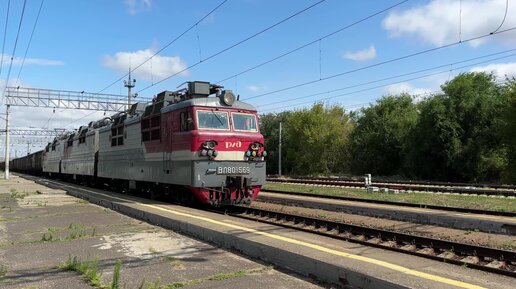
(279, 157)
(129, 84)
(7, 144)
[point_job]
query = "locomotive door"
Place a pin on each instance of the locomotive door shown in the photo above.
(167, 145)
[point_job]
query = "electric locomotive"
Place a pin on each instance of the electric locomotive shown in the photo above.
(198, 143)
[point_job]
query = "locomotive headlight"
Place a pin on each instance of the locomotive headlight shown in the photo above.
(209, 144)
(204, 153)
(264, 154)
(254, 153)
(256, 146)
(248, 153)
(227, 97)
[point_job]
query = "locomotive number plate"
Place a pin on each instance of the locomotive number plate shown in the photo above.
(233, 170)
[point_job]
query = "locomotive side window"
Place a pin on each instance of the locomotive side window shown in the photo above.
(244, 122)
(186, 121)
(151, 128)
(212, 120)
(117, 135)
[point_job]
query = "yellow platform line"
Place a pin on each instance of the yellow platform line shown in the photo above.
(388, 265)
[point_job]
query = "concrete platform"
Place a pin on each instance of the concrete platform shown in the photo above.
(40, 228)
(465, 221)
(337, 262)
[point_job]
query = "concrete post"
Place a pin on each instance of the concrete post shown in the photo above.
(7, 142)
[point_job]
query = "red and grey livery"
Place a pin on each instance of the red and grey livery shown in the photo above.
(185, 144)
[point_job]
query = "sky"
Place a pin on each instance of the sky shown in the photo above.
(276, 54)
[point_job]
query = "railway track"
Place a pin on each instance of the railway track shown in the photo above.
(405, 187)
(391, 203)
(477, 257)
(424, 183)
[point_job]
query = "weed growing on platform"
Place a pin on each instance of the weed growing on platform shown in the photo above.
(115, 284)
(88, 269)
(3, 271)
(17, 195)
(76, 231)
(174, 263)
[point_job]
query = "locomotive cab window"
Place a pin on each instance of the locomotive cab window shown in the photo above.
(186, 121)
(244, 122)
(212, 119)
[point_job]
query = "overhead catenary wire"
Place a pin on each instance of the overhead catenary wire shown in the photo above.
(30, 41)
(166, 46)
(314, 41)
(5, 35)
(381, 63)
(392, 77)
(504, 16)
(211, 56)
(156, 53)
(14, 51)
(388, 84)
(235, 44)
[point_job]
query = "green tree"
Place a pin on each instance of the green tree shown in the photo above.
(379, 141)
(457, 136)
(316, 140)
(509, 132)
(269, 127)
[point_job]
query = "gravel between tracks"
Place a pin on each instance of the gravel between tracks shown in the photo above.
(461, 236)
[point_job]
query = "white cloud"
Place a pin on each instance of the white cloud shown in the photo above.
(155, 69)
(405, 87)
(361, 55)
(137, 6)
(500, 70)
(255, 88)
(32, 61)
(437, 22)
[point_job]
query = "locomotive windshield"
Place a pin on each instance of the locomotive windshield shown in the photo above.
(212, 120)
(244, 122)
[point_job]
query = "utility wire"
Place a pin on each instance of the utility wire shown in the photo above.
(384, 85)
(14, 50)
(5, 35)
(234, 45)
(166, 46)
(312, 42)
(381, 63)
(30, 40)
(392, 77)
(504, 16)
(150, 58)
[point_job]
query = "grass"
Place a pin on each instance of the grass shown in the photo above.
(175, 263)
(18, 195)
(88, 269)
(115, 284)
(3, 271)
(470, 202)
(90, 272)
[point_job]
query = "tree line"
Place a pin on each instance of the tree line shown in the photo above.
(466, 133)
